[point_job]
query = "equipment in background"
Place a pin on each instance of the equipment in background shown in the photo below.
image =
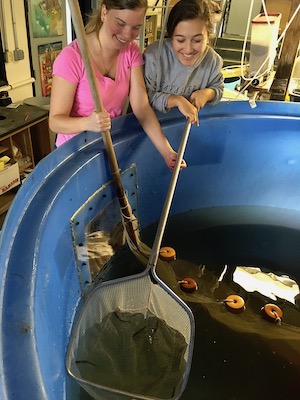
(5, 100)
(264, 35)
(294, 84)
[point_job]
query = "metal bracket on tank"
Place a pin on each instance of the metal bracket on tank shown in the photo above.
(97, 230)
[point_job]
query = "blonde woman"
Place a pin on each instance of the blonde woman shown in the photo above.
(111, 33)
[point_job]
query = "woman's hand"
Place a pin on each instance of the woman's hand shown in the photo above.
(200, 97)
(197, 100)
(170, 159)
(98, 122)
(185, 107)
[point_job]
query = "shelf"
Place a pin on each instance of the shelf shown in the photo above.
(26, 140)
(5, 200)
(148, 32)
(3, 149)
(25, 166)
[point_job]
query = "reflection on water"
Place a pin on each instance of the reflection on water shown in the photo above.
(267, 283)
(238, 356)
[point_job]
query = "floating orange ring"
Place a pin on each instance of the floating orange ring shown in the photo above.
(188, 285)
(272, 313)
(234, 304)
(167, 254)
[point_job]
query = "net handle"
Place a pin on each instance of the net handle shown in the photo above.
(170, 194)
(106, 136)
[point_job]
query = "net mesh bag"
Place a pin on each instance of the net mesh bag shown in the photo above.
(132, 340)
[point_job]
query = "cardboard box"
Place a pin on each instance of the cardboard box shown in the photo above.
(9, 177)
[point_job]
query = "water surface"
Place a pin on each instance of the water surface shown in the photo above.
(236, 356)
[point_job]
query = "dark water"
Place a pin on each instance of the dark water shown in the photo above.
(236, 356)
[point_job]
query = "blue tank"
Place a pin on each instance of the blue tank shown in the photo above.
(238, 156)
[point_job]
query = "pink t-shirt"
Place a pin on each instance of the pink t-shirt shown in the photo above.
(69, 66)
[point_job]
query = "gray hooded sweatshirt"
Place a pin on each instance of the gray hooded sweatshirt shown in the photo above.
(165, 75)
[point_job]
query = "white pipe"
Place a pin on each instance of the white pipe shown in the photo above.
(17, 84)
(3, 28)
(68, 23)
(13, 19)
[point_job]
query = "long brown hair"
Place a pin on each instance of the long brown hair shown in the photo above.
(94, 23)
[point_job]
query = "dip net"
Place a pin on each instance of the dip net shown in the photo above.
(132, 340)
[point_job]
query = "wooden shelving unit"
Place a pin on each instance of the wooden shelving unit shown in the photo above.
(148, 33)
(27, 143)
(3, 149)
(6, 200)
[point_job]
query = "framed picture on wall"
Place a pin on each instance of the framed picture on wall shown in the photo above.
(47, 54)
(46, 18)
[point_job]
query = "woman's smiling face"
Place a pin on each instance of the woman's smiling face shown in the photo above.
(189, 40)
(122, 26)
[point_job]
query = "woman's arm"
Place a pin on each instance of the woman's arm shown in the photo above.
(62, 98)
(147, 118)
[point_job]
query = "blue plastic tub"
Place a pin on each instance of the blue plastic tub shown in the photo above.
(238, 156)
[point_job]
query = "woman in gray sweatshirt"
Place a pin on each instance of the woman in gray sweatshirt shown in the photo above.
(184, 71)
